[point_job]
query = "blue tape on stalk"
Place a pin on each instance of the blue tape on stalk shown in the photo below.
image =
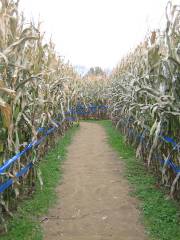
(35, 143)
(24, 170)
(9, 182)
(41, 129)
(170, 163)
(8, 163)
(6, 185)
(39, 141)
(169, 140)
(49, 131)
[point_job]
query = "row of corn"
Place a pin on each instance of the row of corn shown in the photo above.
(145, 100)
(36, 90)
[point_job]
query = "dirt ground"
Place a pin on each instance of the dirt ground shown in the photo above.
(94, 201)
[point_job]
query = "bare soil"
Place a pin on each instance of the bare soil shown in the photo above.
(93, 197)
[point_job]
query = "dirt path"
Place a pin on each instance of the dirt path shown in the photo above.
(94, 201)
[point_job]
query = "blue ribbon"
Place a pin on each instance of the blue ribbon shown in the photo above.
(81, 110)
(9, 182)
(170, 163)
(35, 143)
(16, 157)
(169, 140)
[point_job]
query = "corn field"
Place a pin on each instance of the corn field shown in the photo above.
(35, 92)
(92, 100)
(144, 100)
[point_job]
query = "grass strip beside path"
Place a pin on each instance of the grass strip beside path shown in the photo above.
(25, 224)
(161, 216)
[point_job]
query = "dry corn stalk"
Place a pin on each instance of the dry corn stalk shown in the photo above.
(145, 96)
(33, 83)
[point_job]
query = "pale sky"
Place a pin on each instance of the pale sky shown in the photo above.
(96, 32)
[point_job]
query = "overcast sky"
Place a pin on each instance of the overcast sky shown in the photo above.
(96, 32)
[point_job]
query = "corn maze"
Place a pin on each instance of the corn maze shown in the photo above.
(41, 96)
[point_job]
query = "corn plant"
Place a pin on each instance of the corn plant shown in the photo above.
(144, 99)
(34, 94)
(91, 92)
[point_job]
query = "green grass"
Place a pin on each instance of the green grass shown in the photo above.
(159, 214)
(26, 223)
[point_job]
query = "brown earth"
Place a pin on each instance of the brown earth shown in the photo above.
(93, 198)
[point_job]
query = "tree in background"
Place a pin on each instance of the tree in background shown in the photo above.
(95, 71)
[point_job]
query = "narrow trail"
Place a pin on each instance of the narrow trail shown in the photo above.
(94, 201)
